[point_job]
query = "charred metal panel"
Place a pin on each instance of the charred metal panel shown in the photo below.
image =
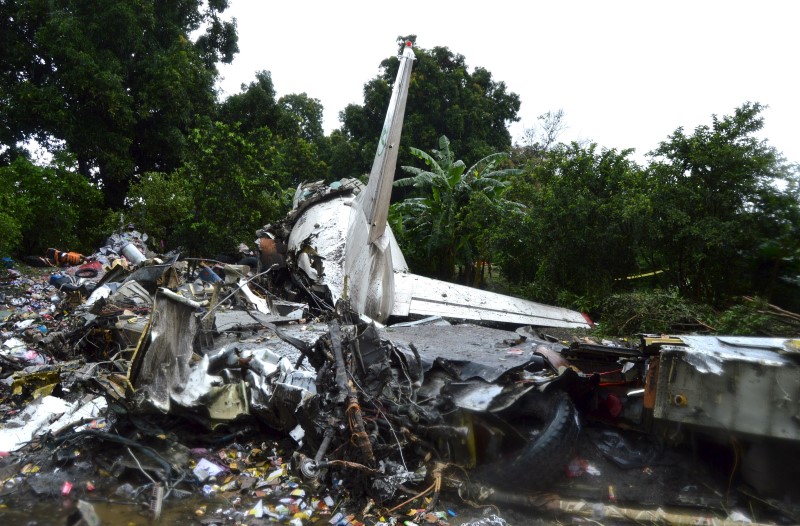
(466, 351)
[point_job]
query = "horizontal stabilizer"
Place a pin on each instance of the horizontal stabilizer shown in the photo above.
(421, 296)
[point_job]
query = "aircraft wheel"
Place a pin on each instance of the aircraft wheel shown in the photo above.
(542, 460)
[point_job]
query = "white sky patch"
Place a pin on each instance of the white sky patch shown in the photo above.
(626, 73)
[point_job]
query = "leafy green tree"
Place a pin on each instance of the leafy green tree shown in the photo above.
(298, 161)
(342, 156)
(234, 190)
(438, 223)
(301, 117)
(582, 223)
(119, 83)
(291, 126)
(218, 198)
(719, 209)
(445, 98)
(43, 207)
(161, 204)
(777, 274)
(254, 107)
(13, 204)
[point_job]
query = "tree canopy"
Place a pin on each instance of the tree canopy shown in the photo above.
(715, 214)
(212, 202)
(719, 205)
(117, 83)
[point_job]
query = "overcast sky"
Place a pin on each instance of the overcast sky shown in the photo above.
(626, 73)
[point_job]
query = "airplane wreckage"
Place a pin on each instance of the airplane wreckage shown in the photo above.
(397, 382)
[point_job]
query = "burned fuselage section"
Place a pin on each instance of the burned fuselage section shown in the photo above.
(749, 386)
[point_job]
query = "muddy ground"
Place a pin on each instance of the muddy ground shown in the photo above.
(676, 478)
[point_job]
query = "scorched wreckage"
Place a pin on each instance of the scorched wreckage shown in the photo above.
(380, 397)
(379, 391)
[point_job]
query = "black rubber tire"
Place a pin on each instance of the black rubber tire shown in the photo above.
(542, 461)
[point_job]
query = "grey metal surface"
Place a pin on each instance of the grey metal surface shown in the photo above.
(374, 200)
(239, 319)
(730, 384)
(162, 364)
(422, 296)
(470, 351)
(309, 333)
(720, 349)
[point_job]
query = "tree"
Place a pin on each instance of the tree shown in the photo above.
(118, 82)
(162, 204)
(43, 207)
(216, 199)
(254, 106)
(13, 204)
(472, 109)
(718, 205)
(302, 143)
(777, 264)
(342, 156)
(291, 126)
(582, 223)
(437, 223)
(301, 117)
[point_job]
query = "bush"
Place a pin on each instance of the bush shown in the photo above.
(12, 203)
(652, 312)
(159, 205)
(10, 231)
(757, 317)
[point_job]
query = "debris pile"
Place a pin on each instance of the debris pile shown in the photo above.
(203, 391)
(149, 381)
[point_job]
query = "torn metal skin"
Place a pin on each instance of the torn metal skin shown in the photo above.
(377, 402)
(748, 386)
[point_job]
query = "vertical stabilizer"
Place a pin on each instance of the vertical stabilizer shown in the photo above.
(374, 199)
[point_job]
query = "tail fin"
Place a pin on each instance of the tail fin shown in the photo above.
(375, 198)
